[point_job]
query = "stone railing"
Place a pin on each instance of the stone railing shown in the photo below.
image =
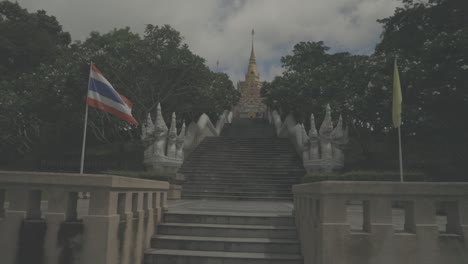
(44, 221)
(320, 150)
(196, 132)
(421, 210)
(165, 149)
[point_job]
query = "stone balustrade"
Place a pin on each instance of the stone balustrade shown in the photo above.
(326, 236)
(44, 221)
(165, 149)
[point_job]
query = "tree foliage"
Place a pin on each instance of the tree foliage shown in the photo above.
(430, 41)
(43, 99)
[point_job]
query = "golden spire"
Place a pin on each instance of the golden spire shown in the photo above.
(252, 70)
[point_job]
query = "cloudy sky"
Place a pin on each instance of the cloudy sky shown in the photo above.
(220, 29)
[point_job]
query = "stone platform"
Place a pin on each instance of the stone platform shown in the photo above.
(232, 207)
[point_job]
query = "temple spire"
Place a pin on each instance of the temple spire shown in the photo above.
(252, 52)
(252, 70)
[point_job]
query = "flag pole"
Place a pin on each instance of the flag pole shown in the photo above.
(85, 124)
(401, 154)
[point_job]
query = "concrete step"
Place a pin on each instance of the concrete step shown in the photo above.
(234, 193)
(244, 163)
(237, 184)
(252, 155)
(153, 256)
(272, 167)
(253, 169)
(243, 156)
(227, 244)
(228, 156)
(266, 178)
(246, 181)
(228, 218)
(252, 149)
(264, 162)
(242, 159)
(203, 196)
(215, 230)
(247, 140)
(240, 148)
(233, 171)
(221, 181)
(202, 188)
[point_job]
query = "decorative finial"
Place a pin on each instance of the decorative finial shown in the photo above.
(327, 126)
(253, 33)
(173, 129)
(313, 128)
(160, 125)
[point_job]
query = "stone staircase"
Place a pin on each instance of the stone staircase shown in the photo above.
(225, 238)
(245, 176)
(247, 162)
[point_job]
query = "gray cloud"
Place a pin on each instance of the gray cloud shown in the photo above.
(220, 29)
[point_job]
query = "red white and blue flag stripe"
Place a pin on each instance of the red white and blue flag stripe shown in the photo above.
(103, 96)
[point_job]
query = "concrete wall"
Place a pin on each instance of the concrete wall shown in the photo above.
(326, 236)
(41, 223)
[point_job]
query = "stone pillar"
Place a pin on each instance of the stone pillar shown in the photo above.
(101, 229)
(139, 214)
(14, 216)
(462, 219)
(126, 227)
(421, 219)
(157, 207)
(307, 230)
(378, 222)
(149, 219)
(334, 231)
(164, 201)
(59, 202)
(2, 203)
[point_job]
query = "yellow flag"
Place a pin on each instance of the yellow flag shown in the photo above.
(397, 98)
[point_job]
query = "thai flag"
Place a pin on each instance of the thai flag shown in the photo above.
(103, 96)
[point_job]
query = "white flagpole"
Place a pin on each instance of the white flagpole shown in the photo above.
(85, 124)
(401, 154)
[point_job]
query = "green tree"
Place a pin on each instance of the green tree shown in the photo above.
(27, 39)
(43, 107)
(430, 41)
